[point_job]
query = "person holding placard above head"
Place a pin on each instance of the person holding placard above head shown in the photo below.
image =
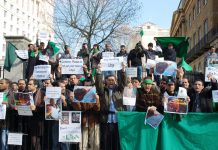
(135, 58)
(147, 97)
(111, 101)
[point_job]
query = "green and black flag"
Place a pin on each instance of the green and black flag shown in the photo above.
(181, 46)
(10, 56)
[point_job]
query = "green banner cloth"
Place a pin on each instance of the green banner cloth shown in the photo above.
(194, 131)
(10, 56)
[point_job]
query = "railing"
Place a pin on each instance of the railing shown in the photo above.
(199, 48)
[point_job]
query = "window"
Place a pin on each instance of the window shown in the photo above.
(198, 6)
(148, 27)
(17, 11)
(205, 26)
(5, 24)
(5, 13)
(12, 6)
(199, 33)
(18, 20)
(11, 28)
(194, 13)
(194, 39)
(17, 31)
(190, 20)
(12, 16)
(5, 3)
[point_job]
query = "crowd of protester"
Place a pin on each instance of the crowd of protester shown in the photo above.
(99, 120)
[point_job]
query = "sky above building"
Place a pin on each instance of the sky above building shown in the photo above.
(159, 12)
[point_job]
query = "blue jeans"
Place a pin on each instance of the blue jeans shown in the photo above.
(4, 138)
(139, 72)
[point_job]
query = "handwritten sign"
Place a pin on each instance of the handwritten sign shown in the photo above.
(70, 127)
(23, 54)
(42, 72)
(111, 64)
(131, 72)
(107, 54)
(24, 111)
(15, 138)
(53, 92)
(71, 66)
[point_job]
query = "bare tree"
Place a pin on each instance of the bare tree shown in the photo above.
(93, 20)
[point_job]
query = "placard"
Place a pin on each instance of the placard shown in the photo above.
(211, 70)
(215, 96)
(53, 108)
(131, 72)
(1, 97)
(2, 112)
(84, 94)
(42, 72)
(70, 127)
(212, 61)
(129, 96)
(71, 66)
(53, 92)
(111, 64)
(150, 63)
(176, 105)
(23, 54)
(24, 111)
(107, 54)
(44, 58)
(15, 138)
(153, 118)
(166, 68)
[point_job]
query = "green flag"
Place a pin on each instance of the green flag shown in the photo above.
(53, 46)
(141, 32)
(10, 56)
(186, 66)
(180, 44)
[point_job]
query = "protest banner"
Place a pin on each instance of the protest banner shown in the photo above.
(23, 54)
(176, 105)
(111, 64)
(42, 72)
(166, 68)
(129, 96)
(215, 96)
(71, 66)
(107, 54)
(15, 138)
(211, 70)
(84, 94)
(70, 127)
(53, 92)
(131, 72)
(53, 108)
(153, 118)
(23, 102)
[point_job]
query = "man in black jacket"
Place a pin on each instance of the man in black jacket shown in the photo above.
(201, 98)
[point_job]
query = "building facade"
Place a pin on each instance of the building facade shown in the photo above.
(198, 20)
(27, 18)
(150, 30)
